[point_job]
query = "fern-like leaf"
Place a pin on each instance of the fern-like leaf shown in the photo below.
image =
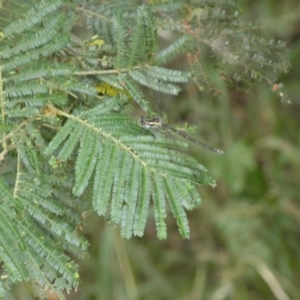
(126, 165)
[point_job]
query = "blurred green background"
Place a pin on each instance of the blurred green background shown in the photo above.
(245, 237)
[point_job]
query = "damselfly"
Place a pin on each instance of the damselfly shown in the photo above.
(156, 124)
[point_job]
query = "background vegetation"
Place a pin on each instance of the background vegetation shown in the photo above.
(245, 236)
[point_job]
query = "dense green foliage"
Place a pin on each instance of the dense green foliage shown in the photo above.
(68, 152)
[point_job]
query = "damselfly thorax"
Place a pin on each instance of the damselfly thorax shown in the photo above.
(156, 124)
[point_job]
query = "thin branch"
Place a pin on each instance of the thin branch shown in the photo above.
(112, 71)
(17, 182)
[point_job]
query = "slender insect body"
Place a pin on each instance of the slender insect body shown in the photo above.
(156, 124)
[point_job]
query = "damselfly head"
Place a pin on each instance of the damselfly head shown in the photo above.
(142, 121)
(151, 124)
